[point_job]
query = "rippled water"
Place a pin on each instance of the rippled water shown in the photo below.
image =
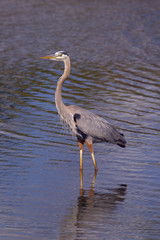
(114, 48)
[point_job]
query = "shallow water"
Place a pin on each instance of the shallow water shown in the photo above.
(114, 48)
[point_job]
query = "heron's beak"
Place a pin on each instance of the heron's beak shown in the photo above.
(52, 57)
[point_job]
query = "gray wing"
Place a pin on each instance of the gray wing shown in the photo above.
(98, 128)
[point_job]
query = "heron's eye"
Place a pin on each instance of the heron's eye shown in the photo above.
(60, 54)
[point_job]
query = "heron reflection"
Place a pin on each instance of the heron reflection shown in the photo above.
(91, 211)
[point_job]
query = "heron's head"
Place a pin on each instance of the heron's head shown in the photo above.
(58, 56)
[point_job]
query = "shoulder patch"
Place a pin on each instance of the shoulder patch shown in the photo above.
(76, 116)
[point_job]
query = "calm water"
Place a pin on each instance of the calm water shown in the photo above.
(114, 48)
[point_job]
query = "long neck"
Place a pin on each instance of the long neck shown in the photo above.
(58, 95)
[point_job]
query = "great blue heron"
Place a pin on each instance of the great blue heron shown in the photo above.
(87, 126)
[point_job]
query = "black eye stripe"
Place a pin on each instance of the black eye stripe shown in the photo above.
(63, 52)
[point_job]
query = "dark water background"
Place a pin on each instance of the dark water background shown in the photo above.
(115, 52)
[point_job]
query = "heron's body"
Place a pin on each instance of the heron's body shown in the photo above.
(87, 126)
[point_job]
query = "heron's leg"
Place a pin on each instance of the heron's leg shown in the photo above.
(91, 191)
(81, 183)
(80, 143)
(90, 146)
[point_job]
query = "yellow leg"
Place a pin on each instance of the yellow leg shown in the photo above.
(94, 161)
(81, 161)
(94, 178)
(81, 183)
(91, 191)
(90, 146)
(81, 152)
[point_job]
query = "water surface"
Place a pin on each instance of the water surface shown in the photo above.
(114, 49)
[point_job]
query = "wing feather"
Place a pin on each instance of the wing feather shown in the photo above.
(95, 126)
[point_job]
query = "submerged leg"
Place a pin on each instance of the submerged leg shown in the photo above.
(91, 191)
(90, 146)
(80, 143)
(81, 183)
